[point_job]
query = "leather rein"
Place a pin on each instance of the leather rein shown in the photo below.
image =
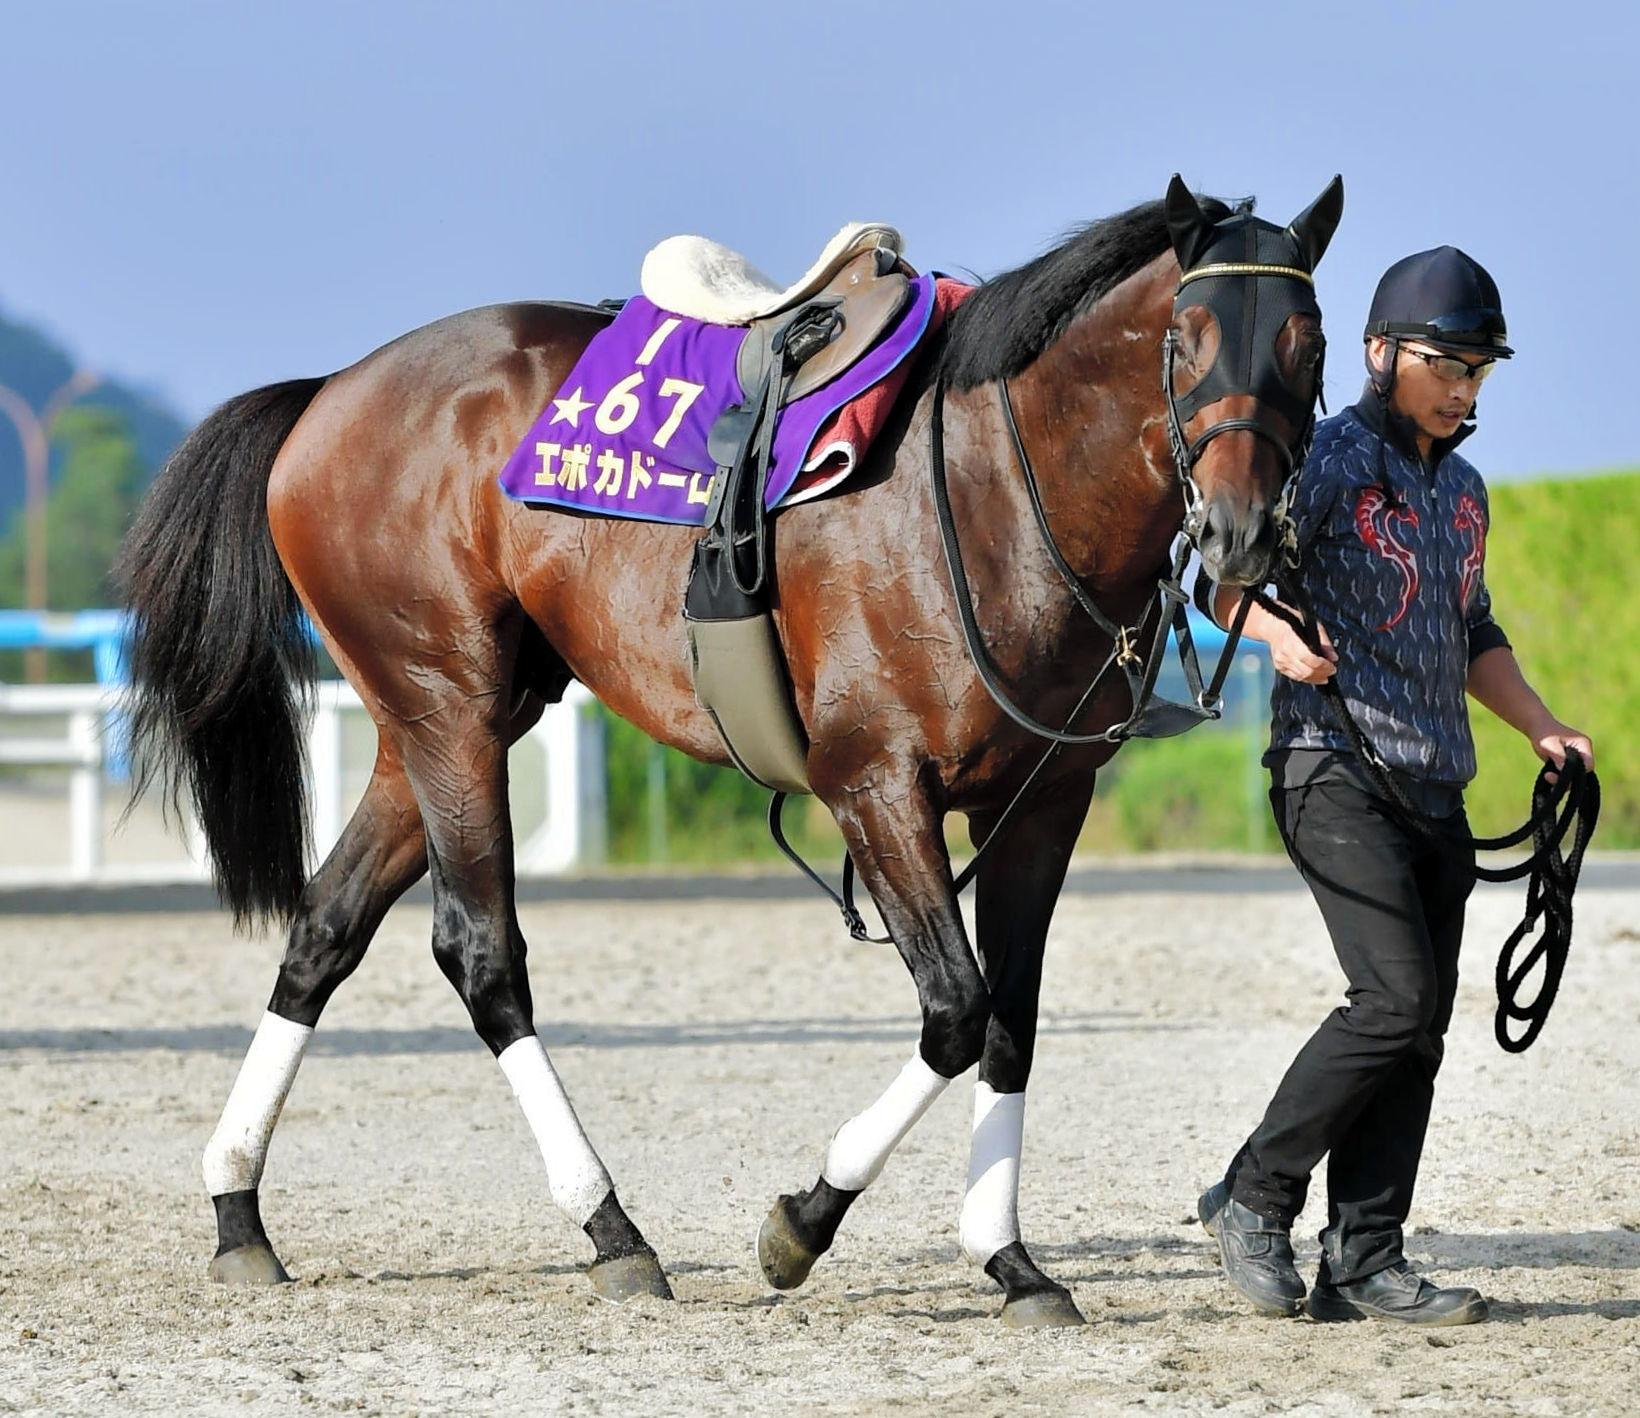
(1567, 808)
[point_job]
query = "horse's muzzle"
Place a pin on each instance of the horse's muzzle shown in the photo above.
(1237, 544)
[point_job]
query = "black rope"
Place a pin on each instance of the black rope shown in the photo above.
(1550, 897)
(1572, 799)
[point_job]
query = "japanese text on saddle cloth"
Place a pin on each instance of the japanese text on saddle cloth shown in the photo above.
(626, 434)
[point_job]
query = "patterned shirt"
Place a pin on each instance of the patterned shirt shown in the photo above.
(1393, 556)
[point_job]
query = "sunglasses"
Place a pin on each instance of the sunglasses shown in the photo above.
(1451, 369)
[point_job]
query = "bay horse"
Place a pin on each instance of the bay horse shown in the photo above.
(370, 500)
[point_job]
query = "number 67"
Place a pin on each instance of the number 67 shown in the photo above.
(620, 406)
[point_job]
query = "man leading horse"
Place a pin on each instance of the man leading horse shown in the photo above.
(1391, 538)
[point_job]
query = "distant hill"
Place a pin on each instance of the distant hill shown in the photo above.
(35, 366)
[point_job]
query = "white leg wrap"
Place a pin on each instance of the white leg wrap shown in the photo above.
(862, 1144)
(990, 1210)
(575, 1176)
(239, 1146)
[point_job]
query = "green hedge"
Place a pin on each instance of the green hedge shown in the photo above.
(666, 808)
(1559, 565)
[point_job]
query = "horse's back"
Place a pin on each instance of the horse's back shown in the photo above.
(389, 516)
(463, 384)
(385, 494)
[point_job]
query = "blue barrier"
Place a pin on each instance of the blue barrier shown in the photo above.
(101, 632)
(104, 633)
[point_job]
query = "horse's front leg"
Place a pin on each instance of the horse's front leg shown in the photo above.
(1018, 886)
(893, 834)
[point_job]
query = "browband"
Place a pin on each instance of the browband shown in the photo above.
(1245, 268)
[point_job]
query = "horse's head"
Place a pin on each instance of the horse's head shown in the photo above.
(1242, 372)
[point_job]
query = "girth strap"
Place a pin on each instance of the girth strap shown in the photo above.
(742, 445)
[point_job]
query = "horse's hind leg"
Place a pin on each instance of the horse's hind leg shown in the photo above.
(1018, 885)
(378, 856)
(457, 763)
(896, 843)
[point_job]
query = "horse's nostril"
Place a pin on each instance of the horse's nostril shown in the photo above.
(1219, 526)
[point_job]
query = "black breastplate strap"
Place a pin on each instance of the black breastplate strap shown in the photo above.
(1149, 715)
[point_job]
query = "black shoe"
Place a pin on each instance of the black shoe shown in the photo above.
(1257, 1255)
(1208, 1206)
(1396, 1293)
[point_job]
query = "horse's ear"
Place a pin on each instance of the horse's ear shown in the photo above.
(1313, 228)
(1187, 224)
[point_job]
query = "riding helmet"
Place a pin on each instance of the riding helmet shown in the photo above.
(1444, 298)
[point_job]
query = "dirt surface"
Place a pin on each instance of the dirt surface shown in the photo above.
(712, 1047)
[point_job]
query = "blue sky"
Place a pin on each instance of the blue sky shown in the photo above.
(205, 197)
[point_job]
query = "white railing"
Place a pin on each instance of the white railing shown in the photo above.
(570, 831)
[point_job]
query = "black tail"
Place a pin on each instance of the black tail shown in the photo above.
(219, 653)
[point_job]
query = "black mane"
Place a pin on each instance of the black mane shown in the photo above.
(1014, 317)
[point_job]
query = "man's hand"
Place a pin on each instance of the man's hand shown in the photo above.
(1293, 658)
(1551, 742)
(1288, 652)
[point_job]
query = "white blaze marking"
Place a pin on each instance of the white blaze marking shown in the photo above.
(575, 1176)
(239, 1146)
(862, 1145)
(990, 1210)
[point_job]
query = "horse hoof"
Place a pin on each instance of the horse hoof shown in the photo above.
(254, 1264)
(627, 1277)
(1042, 1309)
(786, 1261)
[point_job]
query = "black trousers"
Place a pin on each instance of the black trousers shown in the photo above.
(1359, 1091)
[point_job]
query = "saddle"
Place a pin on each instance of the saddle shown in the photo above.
(800, 337)
(705, 280)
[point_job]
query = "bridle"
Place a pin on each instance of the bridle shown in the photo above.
(1151, 716)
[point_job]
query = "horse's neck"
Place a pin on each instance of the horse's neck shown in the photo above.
(1109, 516)
(1108, 487)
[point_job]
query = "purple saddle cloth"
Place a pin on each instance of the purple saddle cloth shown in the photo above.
(626, 433)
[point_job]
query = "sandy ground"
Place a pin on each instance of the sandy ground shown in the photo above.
(712, 1048)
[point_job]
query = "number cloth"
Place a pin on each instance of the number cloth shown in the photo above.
(626, 435)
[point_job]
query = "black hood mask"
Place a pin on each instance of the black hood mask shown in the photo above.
(1252, 277)
(1250, 312)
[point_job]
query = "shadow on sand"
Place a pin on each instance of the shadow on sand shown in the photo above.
(1617, 1249)
(343, 1042)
